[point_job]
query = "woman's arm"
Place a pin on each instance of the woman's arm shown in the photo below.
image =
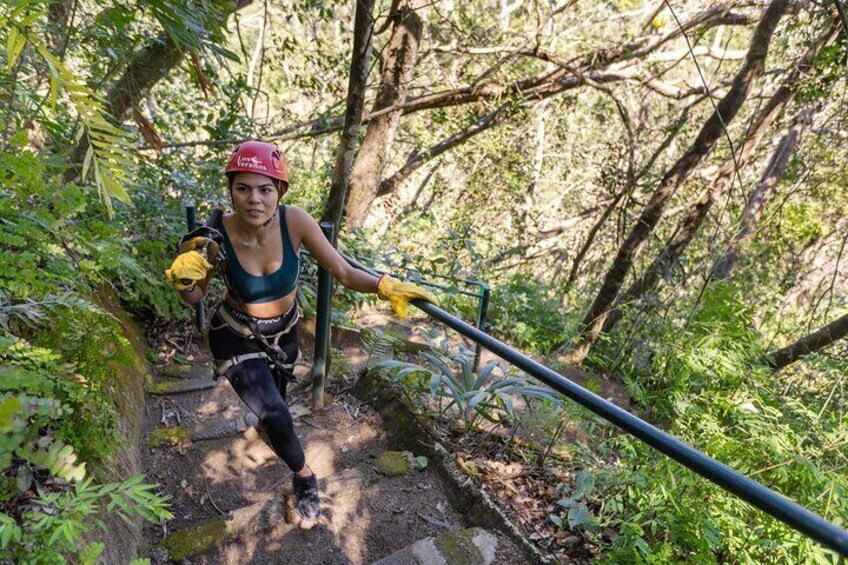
(314, 240)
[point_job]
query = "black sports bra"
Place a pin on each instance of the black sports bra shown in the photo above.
(255, 289)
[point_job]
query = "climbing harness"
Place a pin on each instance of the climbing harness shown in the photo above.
(208, 240)
(245, 326)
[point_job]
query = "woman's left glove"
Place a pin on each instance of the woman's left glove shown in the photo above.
(187, 269)
(399, 293)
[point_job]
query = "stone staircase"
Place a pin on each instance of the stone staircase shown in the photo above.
(232, 499)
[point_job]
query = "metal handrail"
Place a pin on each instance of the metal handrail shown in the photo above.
(749, 490)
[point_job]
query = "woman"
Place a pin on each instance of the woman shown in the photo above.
(252, 334)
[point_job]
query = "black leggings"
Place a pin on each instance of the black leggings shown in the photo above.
(255, 382)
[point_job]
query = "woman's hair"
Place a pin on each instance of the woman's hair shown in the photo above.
(231, 177)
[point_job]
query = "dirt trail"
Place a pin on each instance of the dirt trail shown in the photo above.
(365, 516)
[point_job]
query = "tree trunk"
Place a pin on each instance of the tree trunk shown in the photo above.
(811, 343)
(360, 59)
(59, 18)
(714, 127)
(401, 56)
(761, 194)
(150, 64)
(691, 223)
(590, 238)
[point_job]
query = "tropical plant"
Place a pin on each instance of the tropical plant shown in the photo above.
(487, 394)
(47, 505)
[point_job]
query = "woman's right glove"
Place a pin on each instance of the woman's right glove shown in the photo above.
(399, 293)
(187, 269)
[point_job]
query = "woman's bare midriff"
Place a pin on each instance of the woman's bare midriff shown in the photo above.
(271, 309)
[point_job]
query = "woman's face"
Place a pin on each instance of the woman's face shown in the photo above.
(255, 198)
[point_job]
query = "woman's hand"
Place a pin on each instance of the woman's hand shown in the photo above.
(399, 293)
(187, 269)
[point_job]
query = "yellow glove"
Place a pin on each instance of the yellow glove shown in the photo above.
(187, 269)
(399, 293)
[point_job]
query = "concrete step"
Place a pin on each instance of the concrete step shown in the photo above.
(474, 546)
(186, 371)
(277, 513)
(214, 429)
(181, 386)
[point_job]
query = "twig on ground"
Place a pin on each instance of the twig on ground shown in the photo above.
(209, 494)
(437, 522)
(308, 423)
(175, 344)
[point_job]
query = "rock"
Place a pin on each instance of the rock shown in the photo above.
(570, 541)
(474, 546)
(394, 463)
(164, 437)
(194, 540)
(198, 538)
(298, 410)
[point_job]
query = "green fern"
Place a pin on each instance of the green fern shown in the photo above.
(110, 148)
(379, 343)
(59, 459)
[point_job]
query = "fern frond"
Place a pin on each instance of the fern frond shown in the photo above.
(110, 148)
(379, 343)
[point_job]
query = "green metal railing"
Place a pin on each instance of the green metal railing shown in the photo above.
(482, 295)
(749, 490)
(323, 313)
(199, 308)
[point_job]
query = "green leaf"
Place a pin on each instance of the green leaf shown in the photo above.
(87, 162)
(557, 521)
(91, 553)
(9, 408)
(420, 463)
(578, 516)
(15, 43)
(585, 483)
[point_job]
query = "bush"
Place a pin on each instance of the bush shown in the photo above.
(704, 389)
(523, 312)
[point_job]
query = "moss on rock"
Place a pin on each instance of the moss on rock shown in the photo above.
(196, 539)
(183, 385)
(180, 370)
(458, 548)
(394, 463)
(164, 437)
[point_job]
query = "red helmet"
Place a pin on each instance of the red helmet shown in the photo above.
(259, 157)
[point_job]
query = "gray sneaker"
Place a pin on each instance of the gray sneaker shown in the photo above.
(306, 494)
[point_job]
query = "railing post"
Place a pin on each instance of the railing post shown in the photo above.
(199, 310)
(321, 366)
(482, 314)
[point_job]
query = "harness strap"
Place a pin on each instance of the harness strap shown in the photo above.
(245, 330)
(273, 353)
(221, 367)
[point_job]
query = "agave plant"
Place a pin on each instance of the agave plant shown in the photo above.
(488, 393)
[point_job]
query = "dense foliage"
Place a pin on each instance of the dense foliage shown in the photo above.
(562, 122)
